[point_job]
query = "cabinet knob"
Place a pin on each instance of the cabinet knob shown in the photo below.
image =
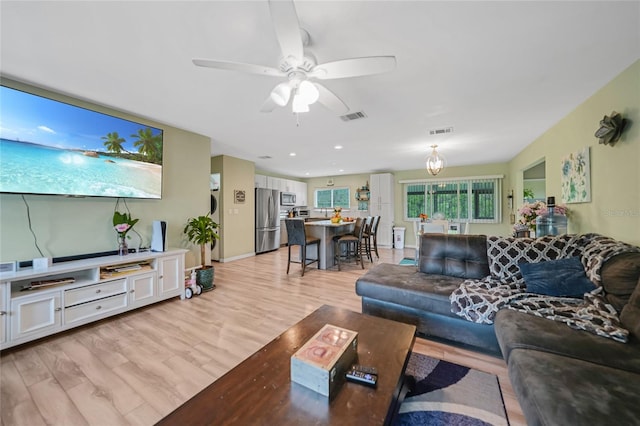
(58, 309)
(161, 276)
(3, 313)
(98, 291)
(98, 307)
(133, 290)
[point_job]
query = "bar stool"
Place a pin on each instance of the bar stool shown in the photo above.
(373, 236)
(297, 236)
(349, 244)
(366, 236)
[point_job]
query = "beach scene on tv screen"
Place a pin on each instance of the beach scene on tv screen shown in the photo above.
(50, 147)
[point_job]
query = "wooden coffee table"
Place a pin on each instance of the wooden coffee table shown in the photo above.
(259, 390)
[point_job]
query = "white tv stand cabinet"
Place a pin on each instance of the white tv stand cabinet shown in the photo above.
(91, 289)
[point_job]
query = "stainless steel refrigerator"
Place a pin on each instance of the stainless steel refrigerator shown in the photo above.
(267, 219)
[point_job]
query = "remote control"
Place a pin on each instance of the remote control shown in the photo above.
(367, 379)
(364, 369)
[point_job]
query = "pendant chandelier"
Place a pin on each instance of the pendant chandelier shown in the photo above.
(435, 162)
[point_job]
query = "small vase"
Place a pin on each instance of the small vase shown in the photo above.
(123, 250)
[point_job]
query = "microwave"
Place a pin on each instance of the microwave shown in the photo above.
(287, 199)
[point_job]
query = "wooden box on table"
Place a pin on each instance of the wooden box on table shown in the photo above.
(321, 363)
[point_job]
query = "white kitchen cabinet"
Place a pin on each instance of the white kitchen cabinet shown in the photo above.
(284, 237)
(273, 183)
(260, 181)
(300, 189)
(381, 203)
(171, 277)
(36, 315)
(284, 185)
(3, 312)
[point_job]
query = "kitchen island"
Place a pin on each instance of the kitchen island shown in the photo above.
(325, 231)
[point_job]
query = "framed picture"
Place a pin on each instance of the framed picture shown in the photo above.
(576, 177)
(238, 196)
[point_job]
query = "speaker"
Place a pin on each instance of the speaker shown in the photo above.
(159, 235)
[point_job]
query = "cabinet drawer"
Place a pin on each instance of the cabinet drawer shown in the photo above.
(96, 308)
(94, 292)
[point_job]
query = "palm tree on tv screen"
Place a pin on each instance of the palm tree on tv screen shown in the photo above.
(148, 144)
(113, 143)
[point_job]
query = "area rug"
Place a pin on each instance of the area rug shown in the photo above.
(450, 394)
(408, 261)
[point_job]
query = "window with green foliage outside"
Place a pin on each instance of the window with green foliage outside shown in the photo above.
(330, 198)
(462, 200)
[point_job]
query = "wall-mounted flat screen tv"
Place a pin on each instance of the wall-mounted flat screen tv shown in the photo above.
(55, 148)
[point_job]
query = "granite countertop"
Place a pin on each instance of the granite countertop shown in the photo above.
(327, 223)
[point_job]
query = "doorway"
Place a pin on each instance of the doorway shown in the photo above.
(534, 183)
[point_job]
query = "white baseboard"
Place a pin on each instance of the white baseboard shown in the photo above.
(241, 256)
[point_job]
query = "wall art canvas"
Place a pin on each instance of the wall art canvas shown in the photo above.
(576, 177)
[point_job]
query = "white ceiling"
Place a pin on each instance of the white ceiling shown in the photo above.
(501, 73)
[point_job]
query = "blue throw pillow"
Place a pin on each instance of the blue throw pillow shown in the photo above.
(561, 278)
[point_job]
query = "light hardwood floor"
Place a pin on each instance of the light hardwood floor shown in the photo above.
(137, 367)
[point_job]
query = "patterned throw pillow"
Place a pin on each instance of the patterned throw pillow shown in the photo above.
(559, 278)
(505, 253)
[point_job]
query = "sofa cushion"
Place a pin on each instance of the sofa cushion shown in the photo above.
(620, 275)
(630, 316)
(403, 285)
(462, 256)
(556, 390)
(561, 277)
(518, 330)
(505, 253)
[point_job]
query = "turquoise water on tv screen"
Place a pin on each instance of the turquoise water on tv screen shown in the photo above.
(39, 169)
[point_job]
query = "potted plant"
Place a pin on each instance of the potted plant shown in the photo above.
(201, 230)
(122, 223)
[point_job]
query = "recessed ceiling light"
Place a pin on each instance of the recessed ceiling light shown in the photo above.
(292, 154)
(337, 147)
(341, 170)
(307, 174)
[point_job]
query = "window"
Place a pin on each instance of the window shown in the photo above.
(330, 198)
(462, 200)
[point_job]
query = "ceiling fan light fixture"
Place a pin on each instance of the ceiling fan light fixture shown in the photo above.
(309, 92)
(435, 162)
(281, 94)
(299, 104)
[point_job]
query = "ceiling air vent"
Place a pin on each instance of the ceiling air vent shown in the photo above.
(353, 116)
(441, 131)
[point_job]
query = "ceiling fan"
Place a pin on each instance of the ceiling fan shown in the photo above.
(301, 68)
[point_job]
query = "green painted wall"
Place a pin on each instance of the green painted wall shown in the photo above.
(614, 209)
(353, 182)
(69, 226)
(237, 220)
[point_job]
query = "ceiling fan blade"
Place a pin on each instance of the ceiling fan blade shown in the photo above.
(354, 67)
(331, 100)
(238, 66)
(287, 27)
